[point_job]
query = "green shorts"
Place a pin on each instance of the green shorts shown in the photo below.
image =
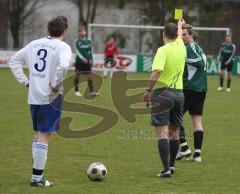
(167, 107)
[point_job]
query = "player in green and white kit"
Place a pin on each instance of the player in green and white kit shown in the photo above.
(194, 88)
(226, 57)
(83, 62)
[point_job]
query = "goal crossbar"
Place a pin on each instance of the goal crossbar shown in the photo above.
(227, 30)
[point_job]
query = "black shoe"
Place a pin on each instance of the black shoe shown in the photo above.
(164, 174)
(183, 154)
(42, 183)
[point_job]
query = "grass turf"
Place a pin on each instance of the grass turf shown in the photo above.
(131, 159)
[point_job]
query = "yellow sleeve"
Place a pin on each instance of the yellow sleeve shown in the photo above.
(159, 59)
(180, 41)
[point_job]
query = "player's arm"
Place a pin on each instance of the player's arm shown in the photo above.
(16, 62)
(116, 50)
(91, 52)
(65, 57)
(220, 53)
(181, 22)
(193, 57)
(78, 53)
(232, 55)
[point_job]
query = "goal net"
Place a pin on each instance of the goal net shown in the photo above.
(136, 39)
(138, 44)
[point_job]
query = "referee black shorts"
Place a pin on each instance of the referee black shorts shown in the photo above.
(194, 102)
(167, 107)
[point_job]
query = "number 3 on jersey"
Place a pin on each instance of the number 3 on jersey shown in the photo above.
(42, 53)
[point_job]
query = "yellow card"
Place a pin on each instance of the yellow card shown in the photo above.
(178, 14)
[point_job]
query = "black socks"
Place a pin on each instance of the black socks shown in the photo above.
(174, 147)
(182, 140)
(164, 152)
(198, 139)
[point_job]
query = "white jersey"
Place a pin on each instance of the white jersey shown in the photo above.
(48, 60)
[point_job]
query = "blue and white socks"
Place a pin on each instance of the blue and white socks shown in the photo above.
(40, 152)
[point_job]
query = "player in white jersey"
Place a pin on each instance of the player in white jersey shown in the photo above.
(48, 60)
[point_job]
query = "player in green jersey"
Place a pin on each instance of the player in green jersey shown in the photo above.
(83, 62)
(225, 59)
(166, 80)
(194, 89)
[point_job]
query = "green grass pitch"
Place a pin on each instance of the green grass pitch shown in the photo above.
(131, 162)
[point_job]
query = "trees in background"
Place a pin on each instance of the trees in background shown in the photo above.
(17, 11)
(158, 12)
(207, 13)
(87, 11)
(152, 12)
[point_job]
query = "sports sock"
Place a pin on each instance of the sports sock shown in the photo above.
(33, 145)
(164, 152)
(90, 85)
(221, 81)
(39, 158)
(76, 82)
(228, 83)
(198, 139)
(182, 140)
(174, 146)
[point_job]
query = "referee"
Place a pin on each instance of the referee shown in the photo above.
(166, 80)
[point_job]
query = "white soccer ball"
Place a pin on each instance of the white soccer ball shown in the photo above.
(96, 172)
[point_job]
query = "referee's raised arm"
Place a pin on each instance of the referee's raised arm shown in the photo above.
(181, 22)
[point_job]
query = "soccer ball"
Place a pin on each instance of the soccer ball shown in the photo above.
(96, 172)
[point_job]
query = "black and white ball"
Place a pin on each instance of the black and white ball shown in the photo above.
(96, 172)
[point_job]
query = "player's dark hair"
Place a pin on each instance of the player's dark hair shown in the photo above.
(81, 28)
(170, 31)
(189, 28)
(57, 26)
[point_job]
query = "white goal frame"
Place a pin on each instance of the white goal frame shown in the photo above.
(227, 30)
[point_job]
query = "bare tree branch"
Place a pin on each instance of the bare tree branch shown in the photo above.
(90, 13)
(93, 15)
(88, 10)
(17, 12)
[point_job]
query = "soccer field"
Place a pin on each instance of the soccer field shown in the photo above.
(132, 160)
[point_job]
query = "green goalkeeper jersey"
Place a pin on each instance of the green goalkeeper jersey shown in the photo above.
(227, 52)
(195, 75)
(83, 50)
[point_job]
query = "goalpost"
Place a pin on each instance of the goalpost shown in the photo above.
(139, 43)
(148, 34)
(227, 30)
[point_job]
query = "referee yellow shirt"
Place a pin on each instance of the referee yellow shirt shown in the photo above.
(170, 60)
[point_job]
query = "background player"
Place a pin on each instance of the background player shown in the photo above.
(45, 88)
(194, 88)
(168, 66)
(83, 62)
(110, 51)
(226, 57)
